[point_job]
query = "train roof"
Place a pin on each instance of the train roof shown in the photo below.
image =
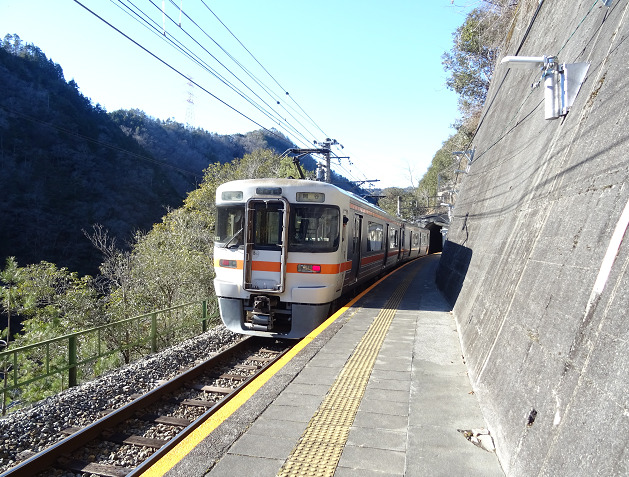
(308, 185)
(293, 183)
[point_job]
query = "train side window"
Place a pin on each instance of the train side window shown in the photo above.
(314, 228)
(393, 238)
(375, 235)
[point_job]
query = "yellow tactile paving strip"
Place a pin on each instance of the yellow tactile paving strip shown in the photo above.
(320, 447)
(204, 430)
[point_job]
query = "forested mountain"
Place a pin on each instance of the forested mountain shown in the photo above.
(66, 164)
(191, 149)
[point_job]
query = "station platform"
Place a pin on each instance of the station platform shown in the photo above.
(380, 389)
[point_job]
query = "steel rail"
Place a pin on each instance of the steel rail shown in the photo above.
(160, 453)
(49, 457)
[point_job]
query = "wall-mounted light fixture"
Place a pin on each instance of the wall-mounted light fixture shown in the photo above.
(469, 155)
(561, 81)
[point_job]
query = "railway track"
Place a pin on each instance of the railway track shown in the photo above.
(128, 440)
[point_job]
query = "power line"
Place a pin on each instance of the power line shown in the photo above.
(160, 29)
(253, 77)
(144, 18)
(262, 66)
(174, 69)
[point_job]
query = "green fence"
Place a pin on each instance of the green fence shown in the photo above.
(35, 371)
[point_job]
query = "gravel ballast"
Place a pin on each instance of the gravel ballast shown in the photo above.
(30, 430)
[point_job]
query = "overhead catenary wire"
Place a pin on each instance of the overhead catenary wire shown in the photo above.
(248, 72)
(266, 109)
(220, 77)
(350, 174)
(142, 17)
(164, 62)
(262, 66)
(169, 34)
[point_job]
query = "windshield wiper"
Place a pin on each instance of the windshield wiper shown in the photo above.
(232, 238)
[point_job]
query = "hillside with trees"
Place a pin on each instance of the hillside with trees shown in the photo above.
(68, 164)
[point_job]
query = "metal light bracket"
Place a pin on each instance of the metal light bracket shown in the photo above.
(469, 155)
(562, 82)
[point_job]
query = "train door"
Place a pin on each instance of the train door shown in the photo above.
(266, 242)
(354, 249)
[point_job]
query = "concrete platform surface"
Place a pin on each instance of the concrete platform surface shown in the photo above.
(417, 414)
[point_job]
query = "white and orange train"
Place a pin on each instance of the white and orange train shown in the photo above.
(286, 249)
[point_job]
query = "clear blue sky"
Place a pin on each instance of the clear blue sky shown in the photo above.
(367, 72)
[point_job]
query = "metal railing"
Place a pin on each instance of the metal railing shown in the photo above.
(62, 362)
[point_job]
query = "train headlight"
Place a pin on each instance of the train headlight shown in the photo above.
(227, 263)
(308, 268)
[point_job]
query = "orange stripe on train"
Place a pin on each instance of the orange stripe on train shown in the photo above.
(262, 266)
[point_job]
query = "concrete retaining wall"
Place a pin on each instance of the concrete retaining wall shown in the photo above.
(534, 260)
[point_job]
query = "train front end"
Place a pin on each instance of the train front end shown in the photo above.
(278, 255)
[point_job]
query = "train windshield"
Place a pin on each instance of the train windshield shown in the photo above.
(314, 228)
(230, 225)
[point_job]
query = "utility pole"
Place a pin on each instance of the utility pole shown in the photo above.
(324, 150)
(326, 147)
